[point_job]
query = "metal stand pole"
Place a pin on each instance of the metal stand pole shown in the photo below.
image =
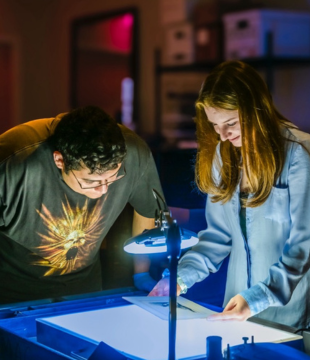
(173, 249)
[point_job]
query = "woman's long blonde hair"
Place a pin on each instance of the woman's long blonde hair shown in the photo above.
(234, 85)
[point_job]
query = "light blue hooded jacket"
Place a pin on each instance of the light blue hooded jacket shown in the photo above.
(271, 268)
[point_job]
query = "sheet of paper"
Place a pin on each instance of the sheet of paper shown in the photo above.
(159, 306)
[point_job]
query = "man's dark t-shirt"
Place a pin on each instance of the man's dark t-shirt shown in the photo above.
(50, 235)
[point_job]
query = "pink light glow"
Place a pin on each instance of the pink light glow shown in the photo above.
(121, 32)
(128, 20)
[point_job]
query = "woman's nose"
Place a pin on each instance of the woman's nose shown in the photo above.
(224, 133)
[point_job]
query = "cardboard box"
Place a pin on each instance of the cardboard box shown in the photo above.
(179, 44)
(245, 33)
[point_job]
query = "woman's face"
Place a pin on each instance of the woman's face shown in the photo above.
(226, 124)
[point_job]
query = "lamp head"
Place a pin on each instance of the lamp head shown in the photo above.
(154, 241)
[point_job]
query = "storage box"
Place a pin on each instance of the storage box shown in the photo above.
(246, 33)
(179, 44)
(178, 95)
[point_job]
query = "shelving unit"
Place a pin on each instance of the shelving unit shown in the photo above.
(262, 62)
(267, 63)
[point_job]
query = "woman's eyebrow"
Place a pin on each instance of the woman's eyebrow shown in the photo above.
(233, 118)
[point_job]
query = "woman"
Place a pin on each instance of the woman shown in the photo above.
(255, 166)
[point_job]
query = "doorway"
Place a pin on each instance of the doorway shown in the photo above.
(104, 64)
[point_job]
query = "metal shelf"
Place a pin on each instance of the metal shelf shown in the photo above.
(266, 63)
(261, 62)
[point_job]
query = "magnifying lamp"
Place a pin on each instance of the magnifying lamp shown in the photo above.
(167, 237)
(155, 241)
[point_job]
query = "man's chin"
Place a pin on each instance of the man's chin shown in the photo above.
(94, 196)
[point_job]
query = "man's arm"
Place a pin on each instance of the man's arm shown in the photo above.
(139, 224)
(142, 278)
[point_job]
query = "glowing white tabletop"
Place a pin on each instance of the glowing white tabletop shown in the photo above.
(141, 335)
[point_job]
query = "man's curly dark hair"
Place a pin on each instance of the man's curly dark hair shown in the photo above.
(89, 137)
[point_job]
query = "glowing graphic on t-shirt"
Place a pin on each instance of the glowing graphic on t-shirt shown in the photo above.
(70, 240)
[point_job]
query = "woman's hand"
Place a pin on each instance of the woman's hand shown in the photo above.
(162, 288)
(144, 281)
(236, 309)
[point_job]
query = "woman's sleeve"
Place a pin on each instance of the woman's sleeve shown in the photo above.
(213, 246)
(284, 276)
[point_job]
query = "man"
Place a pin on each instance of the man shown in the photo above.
(63, 183)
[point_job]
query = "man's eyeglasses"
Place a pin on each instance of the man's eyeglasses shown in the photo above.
(98, 182)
